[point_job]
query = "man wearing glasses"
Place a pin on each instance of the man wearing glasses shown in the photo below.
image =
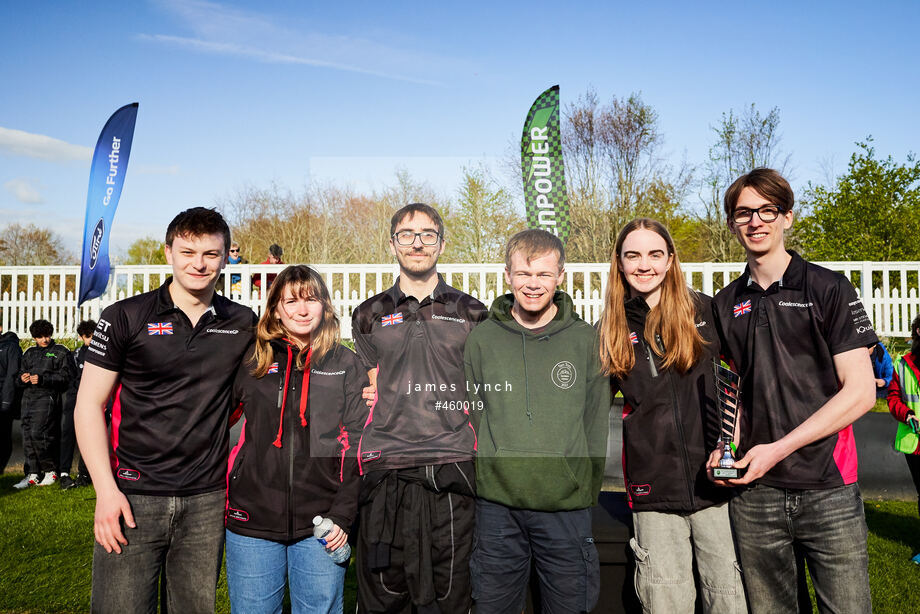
(799, 337)
(415, 454)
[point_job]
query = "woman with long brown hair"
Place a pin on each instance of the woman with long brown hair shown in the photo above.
(658, 344)
(300, 391)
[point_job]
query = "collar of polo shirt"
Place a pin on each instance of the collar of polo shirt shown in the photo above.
(165, 303)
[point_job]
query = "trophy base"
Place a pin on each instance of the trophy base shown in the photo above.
(728, 473)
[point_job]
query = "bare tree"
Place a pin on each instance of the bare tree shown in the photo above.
(30, 245)
(744, 141)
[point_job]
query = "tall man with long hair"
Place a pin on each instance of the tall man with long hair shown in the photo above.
(172, 353)
(416, 451)
(799, 337)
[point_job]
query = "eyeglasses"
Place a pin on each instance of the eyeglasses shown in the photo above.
(407, 237)
(766, 213)
(234, 251)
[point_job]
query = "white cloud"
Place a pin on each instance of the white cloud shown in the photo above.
(23, 191)
(223, 30)
(21, 143)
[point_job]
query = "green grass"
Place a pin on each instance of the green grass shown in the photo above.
(46, 551)
(47, 548)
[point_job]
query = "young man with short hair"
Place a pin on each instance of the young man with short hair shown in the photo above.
(44, 373)
(68, 434)
(798, 336)
(173, 352)
(541, 407)
(415, 455)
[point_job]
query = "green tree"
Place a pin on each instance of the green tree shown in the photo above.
(146, 251)
(482, 220)
(871, 213)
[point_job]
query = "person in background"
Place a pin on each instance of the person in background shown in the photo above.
(44, 374)
(10, 356)
(883, 369)
(296, 455)
(235, 257)
(904, 405)
(274, 257)
(68, 435)
(658, 343)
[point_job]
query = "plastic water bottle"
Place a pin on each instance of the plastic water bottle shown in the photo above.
(321, 528)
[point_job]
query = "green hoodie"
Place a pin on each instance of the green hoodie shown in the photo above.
(540, 407)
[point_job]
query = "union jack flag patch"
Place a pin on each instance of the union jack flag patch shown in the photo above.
(272, 368)
(634, 338)
(159, 328)
(742, 308)
(393, 318)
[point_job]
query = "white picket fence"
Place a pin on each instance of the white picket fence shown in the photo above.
(29, 293)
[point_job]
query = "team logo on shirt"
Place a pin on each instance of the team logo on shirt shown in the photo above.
(272, 368)
(159, 328)
(390, 320)
(235, 514)
(742, 308)
(633, 338)
(129, 474)
(564, 374)
(640, 490)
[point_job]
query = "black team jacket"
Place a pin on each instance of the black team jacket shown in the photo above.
(296, 455)
(670, 421)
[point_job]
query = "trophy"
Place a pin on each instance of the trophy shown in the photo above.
(727, 383)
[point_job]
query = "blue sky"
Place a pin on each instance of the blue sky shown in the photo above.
(234, 94)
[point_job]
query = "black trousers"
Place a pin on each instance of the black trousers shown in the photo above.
(41, 432)
(414, 540)
(559, 544)
(69, 436)
(913, 463)
(6, 438)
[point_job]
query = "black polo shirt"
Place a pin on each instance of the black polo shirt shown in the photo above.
(421, 416)
(170, 415)
(782, 341)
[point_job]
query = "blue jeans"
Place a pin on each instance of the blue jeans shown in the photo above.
(257, 570)
(183, 536)
(828, 526)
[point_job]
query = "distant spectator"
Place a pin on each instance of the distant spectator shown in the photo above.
(235, 257)
(274, 257)
(43, 375)
(903, 391)
(68, 436)
(10, 355)
(883, 369)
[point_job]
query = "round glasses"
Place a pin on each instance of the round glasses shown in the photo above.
(407, 237)
(766, 213)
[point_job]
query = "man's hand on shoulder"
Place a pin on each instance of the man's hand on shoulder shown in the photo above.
(111, 505)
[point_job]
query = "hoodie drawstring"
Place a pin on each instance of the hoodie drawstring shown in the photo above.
(282, 394)
(305, 388)
(282, 397)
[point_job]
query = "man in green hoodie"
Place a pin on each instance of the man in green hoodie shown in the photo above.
(533, 369)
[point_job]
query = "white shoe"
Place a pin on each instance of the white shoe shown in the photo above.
(30, 480)
(49, 479)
